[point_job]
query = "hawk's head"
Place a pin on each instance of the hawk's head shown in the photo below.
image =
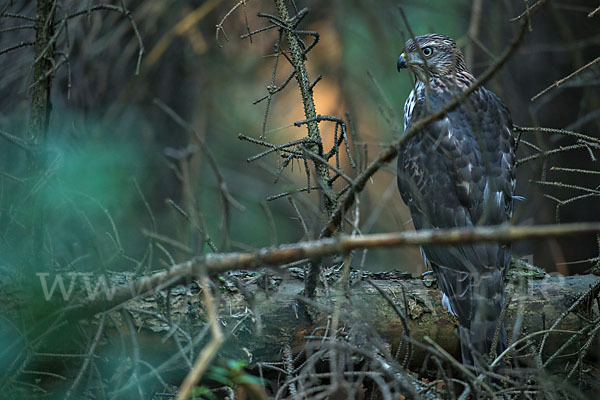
(432, 55)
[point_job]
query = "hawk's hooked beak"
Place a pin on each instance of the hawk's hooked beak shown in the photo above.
(402, 62)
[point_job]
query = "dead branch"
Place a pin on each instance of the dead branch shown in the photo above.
(219, 263)
(528, 11)
(88, 357)
(566, 78)
(297, 57)
(210, 350)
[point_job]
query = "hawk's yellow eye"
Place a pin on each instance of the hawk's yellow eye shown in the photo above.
(427, 51)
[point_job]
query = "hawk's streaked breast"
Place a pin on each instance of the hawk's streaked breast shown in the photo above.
(458, 171)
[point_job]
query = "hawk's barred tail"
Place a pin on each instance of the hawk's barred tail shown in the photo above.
(478, 339)
(482, 334)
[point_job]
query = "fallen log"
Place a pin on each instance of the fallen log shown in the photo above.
(263, 313)
(260, 321)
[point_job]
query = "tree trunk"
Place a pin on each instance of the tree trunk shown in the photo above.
(39, 119)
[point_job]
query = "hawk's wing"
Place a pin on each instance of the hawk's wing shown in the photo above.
(459, 171)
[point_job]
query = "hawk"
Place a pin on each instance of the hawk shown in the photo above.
(459, 171)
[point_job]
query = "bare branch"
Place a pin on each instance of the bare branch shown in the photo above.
(210, 350)
(141, 50)
(566, 78)
(88, 357)
(220, 24)
(16, 46)
(528, 11)
(219, 263)
(17, 16)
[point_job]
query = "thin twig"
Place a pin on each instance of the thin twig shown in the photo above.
(576, 170)
(21, 143)
(528, 11)
(566, 186)
(16, 28)
(88, 358)
(136, 31)
(17, 16)
(210, 350)
(591, 293)
(459, 366)
(16, 46)
(400, 315)
(566, 78)
(219, 26)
